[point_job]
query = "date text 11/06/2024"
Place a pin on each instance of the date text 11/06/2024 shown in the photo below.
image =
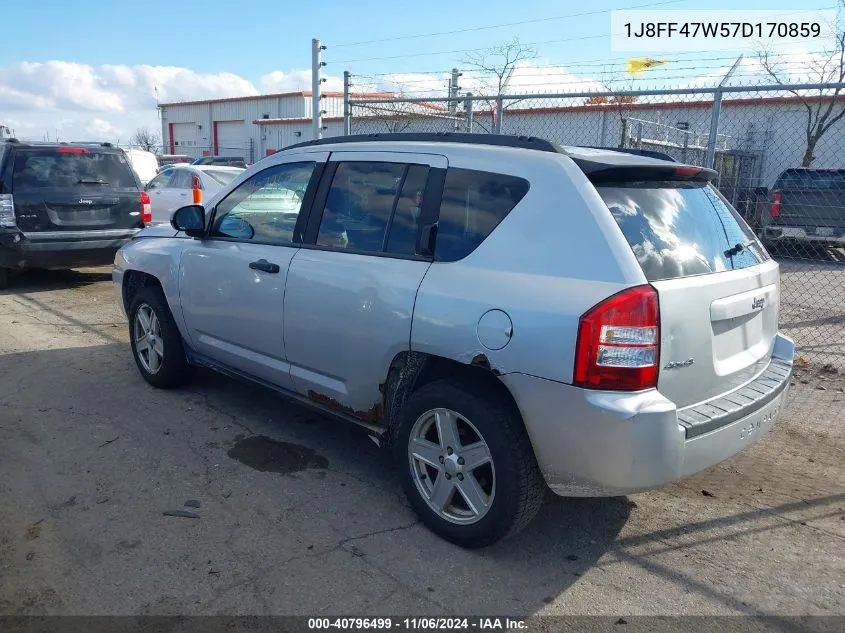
(418, 624)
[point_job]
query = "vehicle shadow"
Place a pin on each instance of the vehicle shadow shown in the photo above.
(97, 405)
(39, 280)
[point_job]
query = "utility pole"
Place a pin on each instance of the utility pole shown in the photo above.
(316, 83)
(347, 108)
(468, 109)
(454, 88)
(710, 159)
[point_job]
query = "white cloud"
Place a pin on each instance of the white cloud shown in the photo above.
(79, 101)
(296, 80)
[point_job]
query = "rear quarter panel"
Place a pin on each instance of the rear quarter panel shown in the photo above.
(555, 255)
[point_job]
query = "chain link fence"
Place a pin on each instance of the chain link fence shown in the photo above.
(243, 149)
(779, 152)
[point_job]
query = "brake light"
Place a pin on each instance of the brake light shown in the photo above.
(196, 188)
(619, 342)
(774, 211)
(146, 208)
(687, 170)
(72, 150)
(7, 211)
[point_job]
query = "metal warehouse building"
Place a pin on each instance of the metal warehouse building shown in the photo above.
(251, 127)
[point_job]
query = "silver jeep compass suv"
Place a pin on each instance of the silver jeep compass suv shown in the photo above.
(501, 313)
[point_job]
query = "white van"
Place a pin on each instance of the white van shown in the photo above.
(144, 163)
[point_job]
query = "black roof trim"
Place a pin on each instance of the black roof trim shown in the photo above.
(497, 140)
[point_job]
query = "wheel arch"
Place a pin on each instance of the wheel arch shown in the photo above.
(133, 281)
(409, 371)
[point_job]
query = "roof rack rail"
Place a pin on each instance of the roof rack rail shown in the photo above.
(649, 153)
(498, 140)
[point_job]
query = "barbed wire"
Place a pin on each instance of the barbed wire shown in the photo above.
(604, 62)
(498, 26)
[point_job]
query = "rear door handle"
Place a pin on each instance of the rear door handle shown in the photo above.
(263, 264)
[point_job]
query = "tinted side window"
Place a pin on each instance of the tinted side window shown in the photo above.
(160, 181)
(359, 205)
(474, 203)
(265, 207)
(812, 179)
(404, 228)
(181, 179)
(680, 230)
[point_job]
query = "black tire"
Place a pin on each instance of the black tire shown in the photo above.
(4, 278)
(174, 370)
(520, 487)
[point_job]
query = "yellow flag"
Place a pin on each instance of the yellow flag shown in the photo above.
(638, 64)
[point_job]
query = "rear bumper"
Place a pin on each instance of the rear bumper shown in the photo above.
(58, 250)
(599, 443)
(776, 232)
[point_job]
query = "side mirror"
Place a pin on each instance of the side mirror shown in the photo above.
(190, 219)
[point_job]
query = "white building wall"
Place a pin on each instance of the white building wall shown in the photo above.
(203, 115)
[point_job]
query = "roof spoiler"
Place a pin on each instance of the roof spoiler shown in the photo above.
(600, 173)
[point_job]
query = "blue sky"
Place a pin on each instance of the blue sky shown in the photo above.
(96, 63)
(256, 37)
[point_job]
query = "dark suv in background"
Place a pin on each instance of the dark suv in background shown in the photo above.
(64, 205)
(806, 208)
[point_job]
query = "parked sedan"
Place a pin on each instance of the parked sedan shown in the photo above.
(177, 186)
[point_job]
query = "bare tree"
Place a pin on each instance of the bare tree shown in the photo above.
(146, 139)
(495, 67)
(621, 104)
(824, 108)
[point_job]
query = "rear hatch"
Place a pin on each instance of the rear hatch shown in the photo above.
(66, 188)
(813, 199)
(718, 290)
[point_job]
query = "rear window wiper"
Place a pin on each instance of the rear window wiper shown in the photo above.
(738, 248)
(87, 181)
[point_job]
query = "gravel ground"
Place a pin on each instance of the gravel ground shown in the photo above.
(292, 513)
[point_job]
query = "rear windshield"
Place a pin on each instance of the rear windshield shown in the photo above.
(821, 179)
(49, 167)
(680, 229)
(223, 177)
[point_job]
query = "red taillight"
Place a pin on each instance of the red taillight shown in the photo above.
(774, 211)
(146, 208)
(619, 342)
(72, 150)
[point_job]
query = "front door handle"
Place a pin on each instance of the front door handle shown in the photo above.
(263, 264)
